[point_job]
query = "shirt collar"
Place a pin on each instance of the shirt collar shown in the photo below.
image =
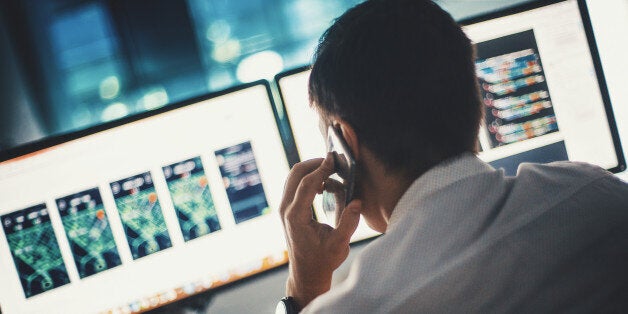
(445, 173)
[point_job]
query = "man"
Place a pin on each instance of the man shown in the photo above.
(397, 79)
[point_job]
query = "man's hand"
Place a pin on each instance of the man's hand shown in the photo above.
(315, 250)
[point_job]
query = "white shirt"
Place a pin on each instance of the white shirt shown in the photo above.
(465, 238)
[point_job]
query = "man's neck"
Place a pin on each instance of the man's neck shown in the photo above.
(390, 190)
(383, 189)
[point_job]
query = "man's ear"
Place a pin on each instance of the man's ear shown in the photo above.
(348, 133)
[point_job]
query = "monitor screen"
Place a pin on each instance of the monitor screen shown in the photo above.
(542, 87)
(146, 211)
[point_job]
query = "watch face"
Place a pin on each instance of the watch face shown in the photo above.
(281, 308)
(286, 306)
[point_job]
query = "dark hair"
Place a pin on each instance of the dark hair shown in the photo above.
(402, 74)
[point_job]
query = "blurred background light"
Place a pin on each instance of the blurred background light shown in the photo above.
(153, 99)
(109, 87)
(79, 63)
(114, 111)
(261, 65)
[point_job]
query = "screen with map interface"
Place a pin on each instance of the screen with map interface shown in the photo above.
(89, 232)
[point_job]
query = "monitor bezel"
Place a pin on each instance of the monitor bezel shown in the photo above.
(285, 109)
(597, 63)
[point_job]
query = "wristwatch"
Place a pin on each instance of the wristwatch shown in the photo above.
(286, 305)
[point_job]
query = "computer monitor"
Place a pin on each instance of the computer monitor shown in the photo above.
(143, 212)
(542, 86)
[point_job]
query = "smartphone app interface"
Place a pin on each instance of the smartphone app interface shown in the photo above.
(514, 89)
(141, 215)
(191, 198)
(89, 233)
(242, 182)
(35, 250)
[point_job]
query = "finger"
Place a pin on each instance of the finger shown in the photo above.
(333, 186)
(349, 220)
(313, 182)
(294, 178)
(309, 186)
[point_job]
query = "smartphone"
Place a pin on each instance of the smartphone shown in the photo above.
(339, 190)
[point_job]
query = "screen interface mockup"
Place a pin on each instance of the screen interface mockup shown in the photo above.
(145, 213)
(539, 87)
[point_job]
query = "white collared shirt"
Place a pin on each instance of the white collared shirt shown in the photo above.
(465, 238)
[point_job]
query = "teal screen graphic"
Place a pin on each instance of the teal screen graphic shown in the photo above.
(35, 250)
(191, 198)
(89, 232)
(141, 215)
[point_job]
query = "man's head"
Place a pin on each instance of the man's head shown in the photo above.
(401, 74)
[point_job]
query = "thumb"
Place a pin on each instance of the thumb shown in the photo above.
(349, 220)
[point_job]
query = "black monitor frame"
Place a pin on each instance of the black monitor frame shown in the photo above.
(278, 78)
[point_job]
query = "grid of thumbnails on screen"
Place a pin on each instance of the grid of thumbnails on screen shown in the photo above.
(145, 213)
(539, 89)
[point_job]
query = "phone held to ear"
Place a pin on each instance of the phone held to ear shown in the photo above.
(339, 187)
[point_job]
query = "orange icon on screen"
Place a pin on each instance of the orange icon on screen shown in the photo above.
(152, 198)
(202, 182)
(100, 214)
